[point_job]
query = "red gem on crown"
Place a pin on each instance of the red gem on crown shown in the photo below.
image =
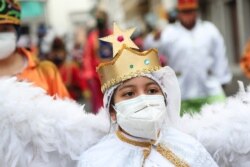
(120, 38)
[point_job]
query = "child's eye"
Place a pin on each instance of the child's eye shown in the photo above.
(128, 94)
(153, 91)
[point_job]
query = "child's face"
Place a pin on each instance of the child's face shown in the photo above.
(136, 87)
(133, 88)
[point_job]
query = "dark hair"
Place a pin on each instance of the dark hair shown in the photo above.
(58, 44)
(112, 102)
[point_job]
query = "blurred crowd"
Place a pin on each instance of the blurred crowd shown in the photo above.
(194, 48)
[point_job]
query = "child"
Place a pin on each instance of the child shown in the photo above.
(144, 100)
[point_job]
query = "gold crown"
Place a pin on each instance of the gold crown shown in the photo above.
(127, 62)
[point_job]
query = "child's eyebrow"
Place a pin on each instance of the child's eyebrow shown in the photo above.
(125, 86)
(151, 83)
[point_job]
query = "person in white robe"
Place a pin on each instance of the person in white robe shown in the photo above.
(196, 51)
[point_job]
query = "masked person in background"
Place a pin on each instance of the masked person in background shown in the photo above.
(69, 70)
(196, 51)
(19, 61)
(144, 100)
(94, 52)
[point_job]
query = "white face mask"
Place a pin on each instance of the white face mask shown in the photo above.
(7, 44)
(142, 116)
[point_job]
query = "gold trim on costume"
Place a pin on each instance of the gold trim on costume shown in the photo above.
(132, 142)
(165, 152)
(147, 145)
(169, 155)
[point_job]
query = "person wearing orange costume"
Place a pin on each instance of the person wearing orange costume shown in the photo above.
(69, 69)
(245, 60)
(19, 61)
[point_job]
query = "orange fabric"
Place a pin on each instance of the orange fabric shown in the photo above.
(43, 74)
(245, 60)
(245, 64)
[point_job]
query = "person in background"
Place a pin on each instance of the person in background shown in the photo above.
(245, 60)
(24, 40)
(20, 62)
(172, 16)
(69, 69)
(196, 51)
(94, 52)
(42, 33)
(152, 39)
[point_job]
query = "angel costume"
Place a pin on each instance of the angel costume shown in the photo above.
(172, 148)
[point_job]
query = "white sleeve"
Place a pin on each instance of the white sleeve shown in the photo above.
(163, 44)
(220, 67)
(150, 42)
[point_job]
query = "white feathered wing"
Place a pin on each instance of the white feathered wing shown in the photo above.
(224, 129)
(39, 131)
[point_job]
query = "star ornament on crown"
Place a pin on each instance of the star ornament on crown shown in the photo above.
(120, 38)
(127, 62)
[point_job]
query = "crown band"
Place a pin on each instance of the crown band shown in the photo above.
(109, 84)
(128, 63)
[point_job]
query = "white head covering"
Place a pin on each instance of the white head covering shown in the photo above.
(166, 79)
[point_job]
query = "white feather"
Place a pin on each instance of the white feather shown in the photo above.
(39, 131)
(224, 129)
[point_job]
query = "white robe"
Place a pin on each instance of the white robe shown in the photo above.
(113, 152)
(198, 56)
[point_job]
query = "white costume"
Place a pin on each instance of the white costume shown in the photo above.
(38, 131)
(115, 152)
(150, 42)
(198, 58)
